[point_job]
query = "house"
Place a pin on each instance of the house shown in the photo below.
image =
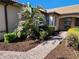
(64, 17)
(8, 16)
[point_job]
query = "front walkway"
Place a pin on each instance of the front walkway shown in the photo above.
(63, 34)
(39, 52)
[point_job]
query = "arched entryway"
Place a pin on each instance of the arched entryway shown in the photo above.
(67, 22)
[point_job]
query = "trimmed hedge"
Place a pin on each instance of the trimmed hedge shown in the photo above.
(9, 37)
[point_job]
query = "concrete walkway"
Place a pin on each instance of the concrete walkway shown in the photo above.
(39, 52)
(63, 34)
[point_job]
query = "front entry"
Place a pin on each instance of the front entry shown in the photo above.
(65, 24)
(77, 22)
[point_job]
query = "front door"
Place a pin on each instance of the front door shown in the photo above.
(67, 24)
(77, 22)
(64, 23)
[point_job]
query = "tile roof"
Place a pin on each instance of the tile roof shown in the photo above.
(65, 10)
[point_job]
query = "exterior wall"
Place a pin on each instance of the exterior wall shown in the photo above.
(2, 21)
(51, 20)
(12, 17)
(69, 15)
(12, 12)
(73, 22)
(57, 23)
(54, 21)
(58, 20)
(61, 23)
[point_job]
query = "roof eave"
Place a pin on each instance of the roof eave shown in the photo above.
(53, 13)
(11, 2)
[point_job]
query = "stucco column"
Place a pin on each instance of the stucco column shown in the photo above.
(73, 22)
(54, 21)
(57, 23)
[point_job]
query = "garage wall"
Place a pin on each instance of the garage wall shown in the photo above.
(12, 17)
(2, 21)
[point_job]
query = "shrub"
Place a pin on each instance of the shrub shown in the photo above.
(50, 30)
(43, 34)
(20, 29)
(9, 37)
(33, 22)
(73, 37)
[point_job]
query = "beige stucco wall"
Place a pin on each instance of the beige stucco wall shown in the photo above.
(69, 15)
(2, 21)
(55, 21)
(12, 12)
(61, 23)
(12, 17)
(73, 22)
(73, 16)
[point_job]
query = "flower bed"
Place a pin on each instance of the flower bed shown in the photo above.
(22, 45)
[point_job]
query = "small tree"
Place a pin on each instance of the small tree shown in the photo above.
(34, 21)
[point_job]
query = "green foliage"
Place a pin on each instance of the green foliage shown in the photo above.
(21, 31)
(33, 24)
(50, 29)
(43, 34)
(73, 40)
(34, 21)
(73, 37)
(9, 37)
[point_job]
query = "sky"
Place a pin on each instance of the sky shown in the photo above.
(48, 4)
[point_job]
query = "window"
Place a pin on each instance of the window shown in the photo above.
(50, 20)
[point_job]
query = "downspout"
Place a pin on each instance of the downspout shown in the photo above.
(6, 17)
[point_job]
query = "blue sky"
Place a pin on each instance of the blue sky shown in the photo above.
(47, 4)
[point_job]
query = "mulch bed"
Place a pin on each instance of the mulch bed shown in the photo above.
(24, 45)
(61, 52)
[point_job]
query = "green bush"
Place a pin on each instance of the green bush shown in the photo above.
(33, 22)
(20, 31)
(9, 37)
(50, 30)
(43, 34)
(73, 40)
(73, 37)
